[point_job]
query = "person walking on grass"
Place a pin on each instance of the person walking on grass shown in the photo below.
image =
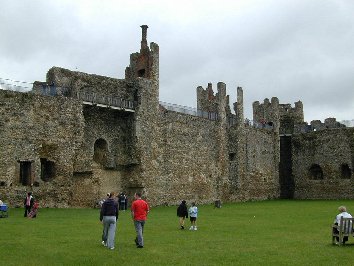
(109, 218)
(140, 210)
(182, 213)
(28, 203)
(193, 214)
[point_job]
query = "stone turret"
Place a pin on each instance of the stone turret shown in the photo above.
(239, 107)
(144, 64)
(206, 101)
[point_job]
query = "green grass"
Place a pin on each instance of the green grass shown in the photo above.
(251, 233)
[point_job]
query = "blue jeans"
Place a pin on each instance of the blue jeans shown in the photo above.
(139, 228)
(109, 230)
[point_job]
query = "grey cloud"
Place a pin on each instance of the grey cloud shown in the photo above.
(294, 50)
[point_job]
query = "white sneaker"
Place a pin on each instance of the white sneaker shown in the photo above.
(195, 228)
(104, 244)
(111, 248)
(191, 228)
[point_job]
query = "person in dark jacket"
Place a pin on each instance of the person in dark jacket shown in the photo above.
(182, 213)
(109, 218)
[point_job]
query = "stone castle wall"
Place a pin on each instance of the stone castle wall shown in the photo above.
(262, 163)
(37, 127)
(112, 128)
(323, 163)
(190, 159)
(79, 82)
(254, 159)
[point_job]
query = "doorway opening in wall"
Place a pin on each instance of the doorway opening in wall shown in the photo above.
(316, 172)
(100, 151)
(47, 169)
(346, 172)
(25, 173)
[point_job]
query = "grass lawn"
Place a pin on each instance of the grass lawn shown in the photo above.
(277, 232)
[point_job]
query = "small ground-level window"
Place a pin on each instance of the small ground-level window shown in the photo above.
(232, 156)
(316, 172)
(346, 172)
(26, 173)
(47, 169)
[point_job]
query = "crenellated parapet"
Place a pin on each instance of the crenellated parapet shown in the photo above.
(267, 113)
(282, 116)
(217, 103)
(206, 100)
(317, 125)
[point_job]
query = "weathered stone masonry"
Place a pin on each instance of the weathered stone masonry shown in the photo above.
(77, 136)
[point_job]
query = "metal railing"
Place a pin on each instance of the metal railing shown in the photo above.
(232, 121)
(189, 111)
(14, 85)
(96, 98)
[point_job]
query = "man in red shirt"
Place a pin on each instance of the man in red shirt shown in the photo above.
(140, 210)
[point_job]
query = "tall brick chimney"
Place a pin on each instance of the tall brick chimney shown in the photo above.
(144, 45)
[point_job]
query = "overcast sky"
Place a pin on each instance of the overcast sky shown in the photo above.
(291, 49)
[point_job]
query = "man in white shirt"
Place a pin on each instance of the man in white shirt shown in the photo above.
(342, 213)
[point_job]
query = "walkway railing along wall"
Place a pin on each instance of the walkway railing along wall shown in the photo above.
(15, 85)
(189, 111)
(232, 121)
(96, 98)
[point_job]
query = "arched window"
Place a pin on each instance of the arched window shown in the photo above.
(316, 172)
(100, 151)
(346, 172)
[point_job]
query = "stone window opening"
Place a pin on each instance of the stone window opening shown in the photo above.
(232, 156)
(346, 172)
(141, 73)
(26, 173)
(100, 152)
(316, 172)
(47, 170)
